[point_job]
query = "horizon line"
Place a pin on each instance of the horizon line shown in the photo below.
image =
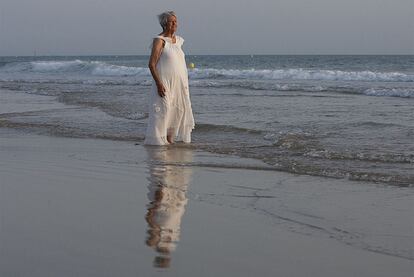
(129, 55)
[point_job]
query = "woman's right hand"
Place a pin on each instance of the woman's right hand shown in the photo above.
(161, 90)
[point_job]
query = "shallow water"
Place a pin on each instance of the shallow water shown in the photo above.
(334, 116)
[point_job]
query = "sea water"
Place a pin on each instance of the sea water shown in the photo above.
(335, 116)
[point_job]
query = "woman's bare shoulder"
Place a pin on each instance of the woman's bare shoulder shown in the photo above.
(158, 41)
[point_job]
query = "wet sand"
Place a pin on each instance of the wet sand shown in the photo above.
(89, 207)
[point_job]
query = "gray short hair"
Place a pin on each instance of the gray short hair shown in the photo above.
(163, 18)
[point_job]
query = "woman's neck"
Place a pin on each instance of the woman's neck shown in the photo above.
(168, 34)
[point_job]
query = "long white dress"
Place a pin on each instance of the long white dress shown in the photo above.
(172, 112)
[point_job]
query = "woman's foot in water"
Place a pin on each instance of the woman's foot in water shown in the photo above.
(170, 139)
(170, 135)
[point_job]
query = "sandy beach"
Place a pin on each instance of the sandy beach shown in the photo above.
(81, 207)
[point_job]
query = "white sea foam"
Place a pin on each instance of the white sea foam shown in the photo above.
(256, 85)
(395, 92)
(50, 66)
(300, 74)
(104, 69)
(77, 66)
(136, 116)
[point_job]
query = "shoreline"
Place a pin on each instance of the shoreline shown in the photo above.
(26, 111)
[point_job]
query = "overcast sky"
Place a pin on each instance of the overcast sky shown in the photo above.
(87, 27)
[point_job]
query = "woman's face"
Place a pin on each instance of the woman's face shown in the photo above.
(171, 24)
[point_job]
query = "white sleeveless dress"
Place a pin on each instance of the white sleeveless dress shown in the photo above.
(173, 111)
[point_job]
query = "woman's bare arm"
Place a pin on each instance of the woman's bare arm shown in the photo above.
(157, 47)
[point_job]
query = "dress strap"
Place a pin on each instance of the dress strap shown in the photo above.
(160, 37)
(170, 40)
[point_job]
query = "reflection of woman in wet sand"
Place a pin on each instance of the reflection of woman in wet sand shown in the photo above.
(167, 194)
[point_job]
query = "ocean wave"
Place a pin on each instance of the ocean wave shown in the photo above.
(68, 81)
(292, 139)
(300, 74)
(306, 144)
(98, 68)
(95, 68)
(369, 157)
(204, 127)
(103, 69)
(392, 92)
(257, 85)
(136, 116)
(404, 92)
(248, 85)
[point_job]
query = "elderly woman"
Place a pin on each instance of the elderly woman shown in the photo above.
(170, 113)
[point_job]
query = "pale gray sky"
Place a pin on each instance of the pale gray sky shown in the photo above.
(87, 27)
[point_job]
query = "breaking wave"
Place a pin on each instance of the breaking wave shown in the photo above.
(300, 74)
(370, 83)
(98, 68)
(393, 92)
(95, 68)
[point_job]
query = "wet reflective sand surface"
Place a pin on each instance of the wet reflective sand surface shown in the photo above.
(85, 207)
